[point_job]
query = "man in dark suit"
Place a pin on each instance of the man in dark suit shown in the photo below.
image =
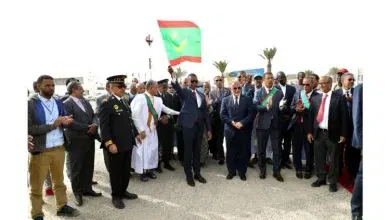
(165, 127)
(285, 134)
(236, 113)
(268, 116)
(216, 95)
(118, 135)
(327, 127)
(81, 149)
(193, 118)
(352, 154)
(357, 141)
(300, 107)
(66, 96)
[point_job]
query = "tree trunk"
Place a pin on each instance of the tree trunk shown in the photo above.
(269, 66)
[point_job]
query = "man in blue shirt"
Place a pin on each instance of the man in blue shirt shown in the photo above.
(46, 118)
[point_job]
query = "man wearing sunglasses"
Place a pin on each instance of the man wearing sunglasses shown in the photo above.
(193, 118)
(352, 155)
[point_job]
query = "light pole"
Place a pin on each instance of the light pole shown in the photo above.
(149, 41)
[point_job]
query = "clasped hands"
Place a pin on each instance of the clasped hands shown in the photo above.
(63, 120)
(300, 107)
(237, 125)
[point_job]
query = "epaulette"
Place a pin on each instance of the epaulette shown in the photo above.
(105, 100)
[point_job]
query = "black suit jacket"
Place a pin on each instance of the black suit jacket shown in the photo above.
(116, 124)
(304, 114)
(229, 114)
(190, 112)
(338, 116)
(286, 112)
(268, 118)
(167, 99)
(349, 105)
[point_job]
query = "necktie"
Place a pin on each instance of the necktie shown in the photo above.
(82, 105)
(320, 115)
(348, 93)
(236, 101)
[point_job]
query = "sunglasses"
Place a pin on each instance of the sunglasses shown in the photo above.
(194, 81)
(236, 88)
(121, 86)
(306, 84)
(351, 80)
(218, 80)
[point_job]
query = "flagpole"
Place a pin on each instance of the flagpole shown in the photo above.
(149, 41)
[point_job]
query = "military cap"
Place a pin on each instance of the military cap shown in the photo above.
(117, 79)
(342, 71)
(164, 81)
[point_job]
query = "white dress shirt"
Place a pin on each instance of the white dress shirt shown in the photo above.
(345, 92)
(283, 89)
(238, 99)
(324, 123)
(78, 102)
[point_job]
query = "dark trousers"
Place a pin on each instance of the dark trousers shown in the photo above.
(106, 160)
(192, 143)
(248, 133)
(119, 170)
(216, 143)
(299, 140)
(285, 136)
(180, 145)
(352, 159)
(80, 162)
(236, 153)
(262, 140)
(167, 142)
(323, 146)
(357, 194)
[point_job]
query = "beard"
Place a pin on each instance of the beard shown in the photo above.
(48, 93)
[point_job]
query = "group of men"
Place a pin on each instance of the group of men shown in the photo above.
(137, 131)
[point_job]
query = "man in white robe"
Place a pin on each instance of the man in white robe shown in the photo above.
(146, 110)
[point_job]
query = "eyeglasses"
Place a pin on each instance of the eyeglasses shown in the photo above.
(351, 80)
(218, 80)
(194, 81)
(236, 88)
(305, 84)
(121, 86)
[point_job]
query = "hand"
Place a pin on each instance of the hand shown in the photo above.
(164, 119)
(342, 139)
(209, 101)
(170, 71)
(310, 138)
(238, 125)
(139, 139)
(142, 134)
(66, 120)
(269, 103)
(113, 149)
(58, 122)
(282, 103)
(209, 136)
(92, 129)
(30, 144)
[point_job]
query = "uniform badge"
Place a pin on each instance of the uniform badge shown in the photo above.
(116, 107)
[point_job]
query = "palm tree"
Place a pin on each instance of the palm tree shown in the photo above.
(268, 54)
(309, 72)
(221, 66)
(333, 72)
(180, 73)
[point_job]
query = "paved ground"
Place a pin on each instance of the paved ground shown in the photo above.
(169, 197)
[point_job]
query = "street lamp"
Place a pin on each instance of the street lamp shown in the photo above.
(149, 41)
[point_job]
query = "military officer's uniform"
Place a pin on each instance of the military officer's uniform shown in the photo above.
(116, 127)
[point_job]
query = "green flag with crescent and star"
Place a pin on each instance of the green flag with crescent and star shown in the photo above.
(182, 40)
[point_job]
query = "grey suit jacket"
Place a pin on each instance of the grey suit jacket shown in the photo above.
(80, 126)
(268, 118)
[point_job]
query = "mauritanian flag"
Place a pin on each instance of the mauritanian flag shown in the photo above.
(182, 41)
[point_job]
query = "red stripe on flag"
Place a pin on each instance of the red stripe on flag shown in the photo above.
(181, 59)
(176, 24)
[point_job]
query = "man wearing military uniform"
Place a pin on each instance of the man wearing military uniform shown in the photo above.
(118, 136)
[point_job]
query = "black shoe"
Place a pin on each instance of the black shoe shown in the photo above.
(307, 175)
(143, 177)
(68, 211)
(333, 187)
(252, 162)
(118, 203)
(79, 199)
(221, 162)
(203, 165)
(130, 196)
(263, 175)
(151, 175)
(288, 166)
(190, 181)
(132, 170)
(243, 177)
(269, 161)
(38, 218)
(230, 176)
(318, 183)
(200, 179)
(159, 170)
(94, 182)
(278, 177)
(299, 174)
(357, 218)
(169, 167)
(92, 194)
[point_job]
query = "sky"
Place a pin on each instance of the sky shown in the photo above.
(104, 38)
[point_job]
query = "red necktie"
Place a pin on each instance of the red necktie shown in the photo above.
(320, 115)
